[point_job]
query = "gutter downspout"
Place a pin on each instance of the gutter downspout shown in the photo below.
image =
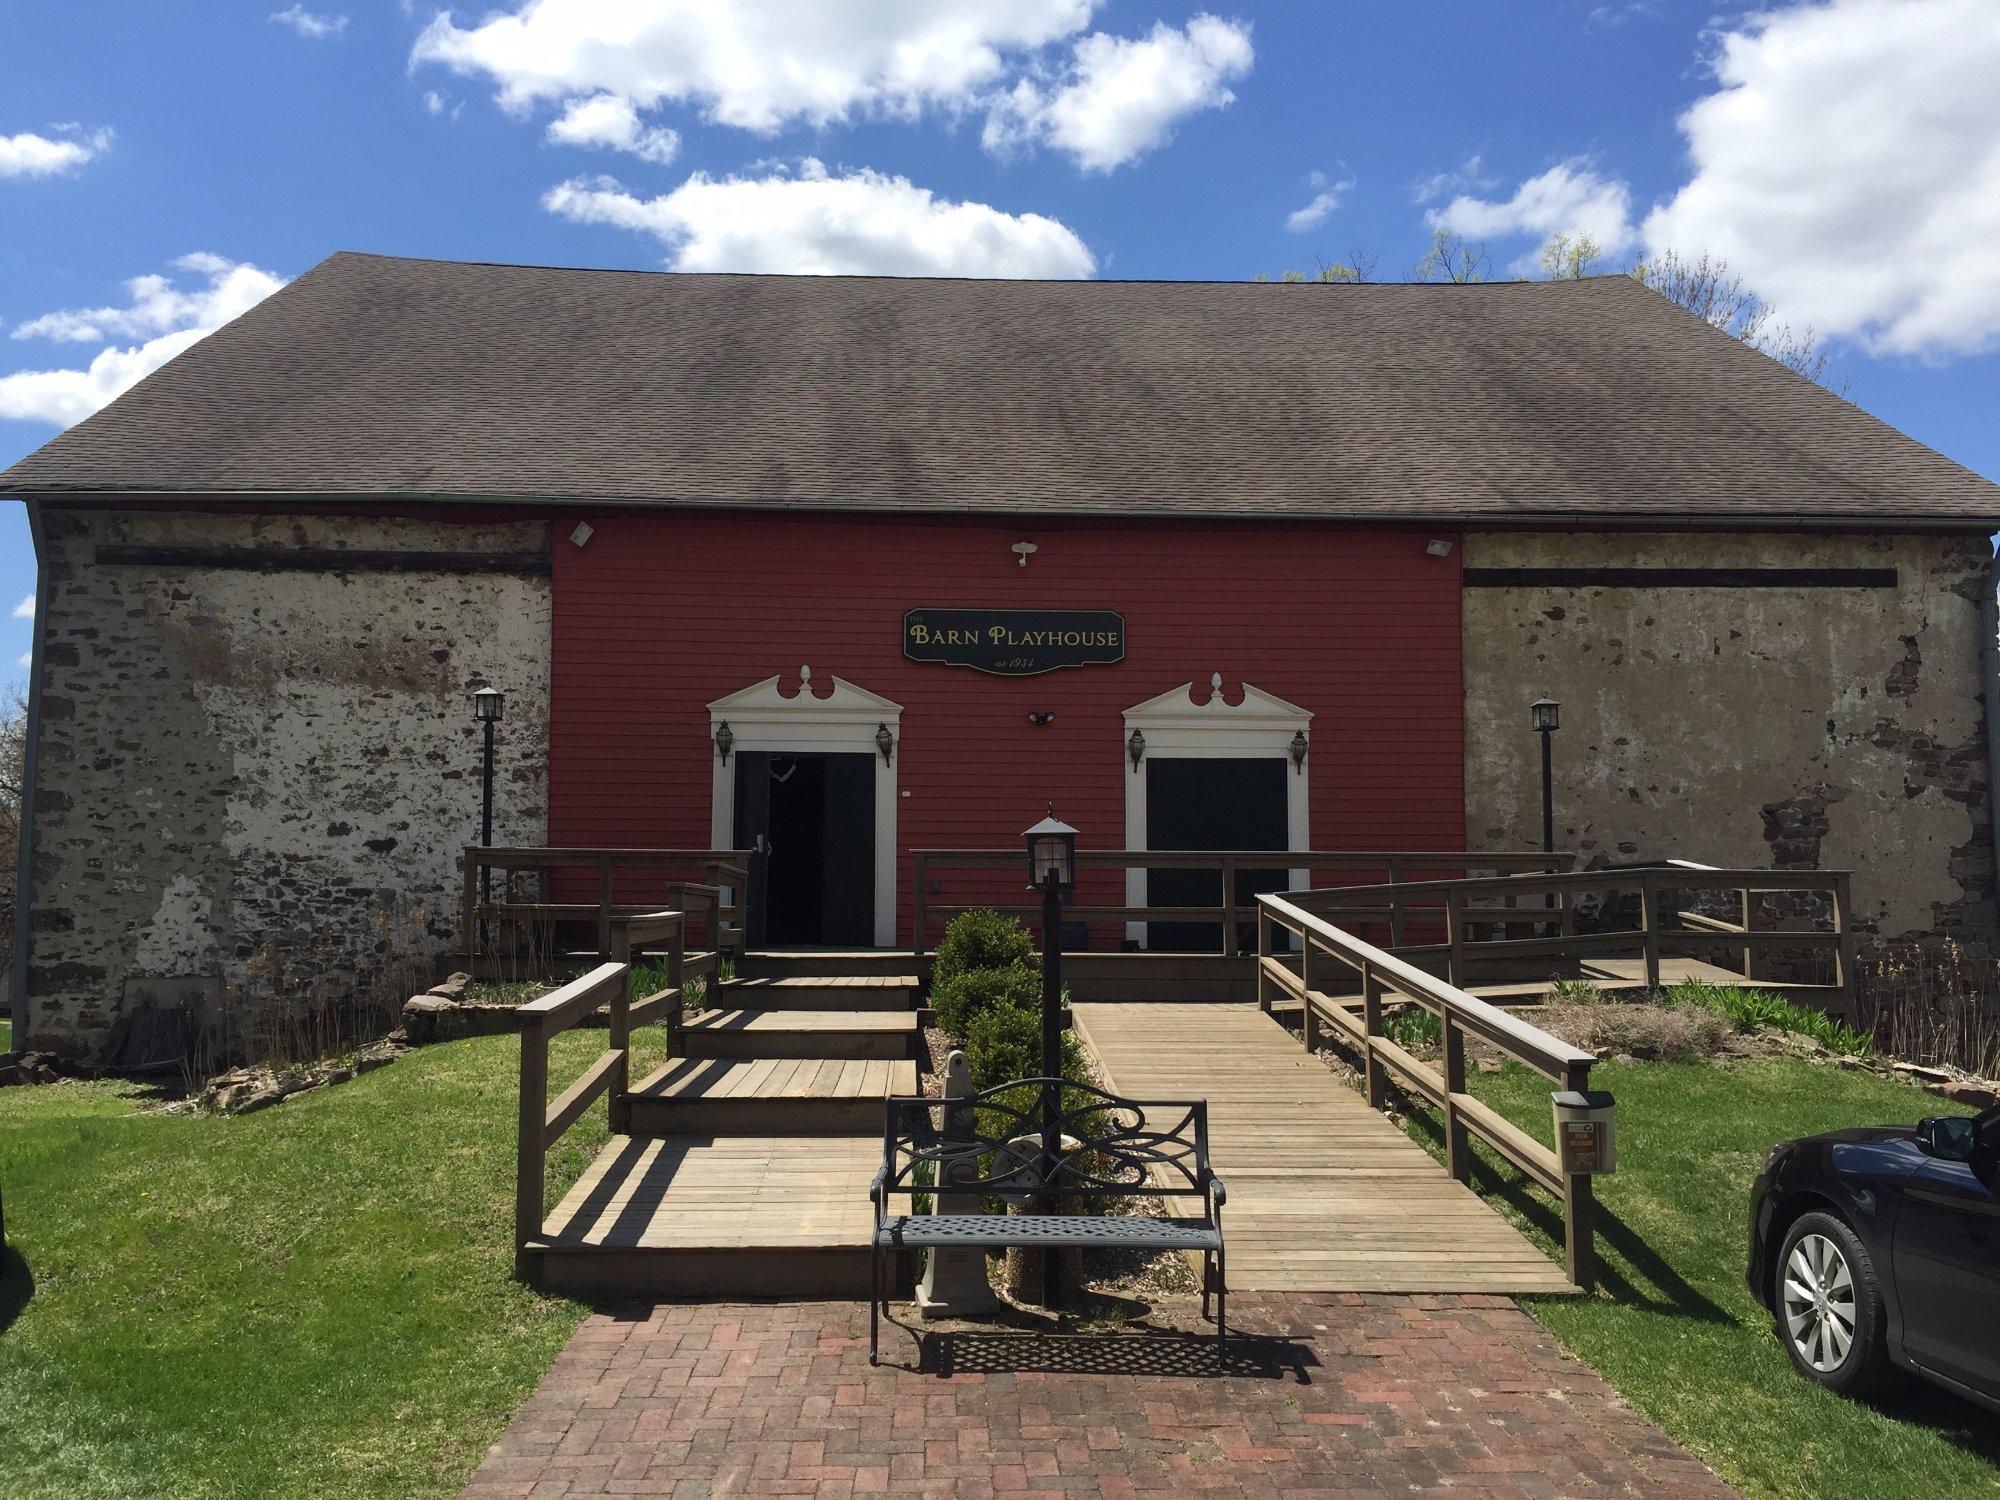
(1989, 617)
(31, 761)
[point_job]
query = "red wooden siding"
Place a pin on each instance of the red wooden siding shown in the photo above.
(661, 613)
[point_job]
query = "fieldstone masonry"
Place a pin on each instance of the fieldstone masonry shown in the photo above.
(1797, 728)
(255, 784)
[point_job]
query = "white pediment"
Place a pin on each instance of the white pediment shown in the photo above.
(1179, 709)
(847, 702)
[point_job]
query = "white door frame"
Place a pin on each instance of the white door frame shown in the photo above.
(844, 722)
(1257, 727)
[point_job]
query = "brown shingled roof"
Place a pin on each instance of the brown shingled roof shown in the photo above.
(375, 377)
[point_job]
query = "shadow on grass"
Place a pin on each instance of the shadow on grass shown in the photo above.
(1945, 1415)
(1635, 1273)
(17, 1286)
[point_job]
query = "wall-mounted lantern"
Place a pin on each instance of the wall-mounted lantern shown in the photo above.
(1300, 745)
(885, 742)
(1135, 747)
(725, 741)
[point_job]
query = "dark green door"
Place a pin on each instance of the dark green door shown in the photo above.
(1221, 803)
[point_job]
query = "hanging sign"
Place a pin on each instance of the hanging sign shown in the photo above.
(1014, 642)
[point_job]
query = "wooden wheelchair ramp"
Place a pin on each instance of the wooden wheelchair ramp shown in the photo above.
(1325, 1194)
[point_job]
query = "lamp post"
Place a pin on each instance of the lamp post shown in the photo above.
(1052, 871)
(487, 706)
(1545, 715)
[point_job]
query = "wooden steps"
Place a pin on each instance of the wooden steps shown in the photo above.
(889, 992)
(801, 1033)
(711, 1216)
(771, 1096)
(809, 963)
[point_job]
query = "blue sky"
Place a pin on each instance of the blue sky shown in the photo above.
(1843, 155)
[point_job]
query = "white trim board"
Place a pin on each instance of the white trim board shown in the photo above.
(1258, 726)
(763, 717)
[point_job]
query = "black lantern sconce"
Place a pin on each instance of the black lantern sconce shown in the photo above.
(885, 742)
(1135, 748)
(1300, 745)
(725, 741)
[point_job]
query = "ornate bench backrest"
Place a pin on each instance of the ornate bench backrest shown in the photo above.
(989, 1142)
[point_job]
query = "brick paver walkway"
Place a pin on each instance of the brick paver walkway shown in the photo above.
(1327, 1392)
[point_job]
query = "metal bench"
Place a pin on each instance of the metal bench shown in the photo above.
(988, 1143)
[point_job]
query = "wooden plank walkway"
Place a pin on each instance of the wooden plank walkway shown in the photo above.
(1325, 1194)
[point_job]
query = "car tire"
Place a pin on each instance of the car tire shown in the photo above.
(1828, 1307)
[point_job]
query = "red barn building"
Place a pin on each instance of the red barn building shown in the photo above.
(863, 566)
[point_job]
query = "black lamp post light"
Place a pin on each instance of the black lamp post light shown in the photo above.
(1545, 716)
(1052, 871)
(488, 704)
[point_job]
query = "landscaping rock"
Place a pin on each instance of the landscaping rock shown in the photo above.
(1919, 1073)
(30, 1067)
(453, 987)
(437, 1018)
(1968, 1093)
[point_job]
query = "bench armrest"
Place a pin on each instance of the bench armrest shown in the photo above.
(1217, 1193)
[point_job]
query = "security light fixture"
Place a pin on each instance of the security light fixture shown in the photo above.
(1545, 715)
(1023, 551)
(1135, 747)
(1300, 745)
(885, 742)
(488, 704)
(725, 741)
(1051, 855)
(1040, 719)
(1437, 547)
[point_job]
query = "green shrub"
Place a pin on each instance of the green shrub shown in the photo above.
(981, 940)
(962, 998)
(1748, 1008)
(1006, 1043)
(1575, 992)
(1413, 1027)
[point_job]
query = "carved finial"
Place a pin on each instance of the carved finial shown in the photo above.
(805, 679)
(1215, 682)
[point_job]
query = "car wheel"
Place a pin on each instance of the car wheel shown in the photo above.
(1829, 1307)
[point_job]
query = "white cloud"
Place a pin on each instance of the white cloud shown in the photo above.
(1322, 204)
(1121, 98)
(30, 155)
(1466, 177)
(755, 65)
(174, 317)
(607, 120)
(813, 221)
(1847, 165)
(1570, 198)
(27, 660)
(310, 24)
(25, 610)
(158, 306)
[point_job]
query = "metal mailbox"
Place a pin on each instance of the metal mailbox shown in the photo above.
(1585, 1139)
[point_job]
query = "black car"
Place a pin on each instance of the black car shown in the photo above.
(1879, 1249)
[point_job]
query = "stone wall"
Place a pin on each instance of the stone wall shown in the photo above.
(1810, 728)
(254, 784)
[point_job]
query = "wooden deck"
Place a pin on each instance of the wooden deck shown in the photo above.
(1325, 1194)
(717, 1216)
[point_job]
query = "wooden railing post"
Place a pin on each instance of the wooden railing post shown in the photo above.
(677, 988)
(1371, 1028)
(1230, 948)
(919, 914)
(621, 1043)
(471, 918)
(1580, 1229)
(1454, 963)
(1457, 1148)
(1743, 917)
(1649, 926)
(531, 1144)
(1395, 904)
(1263, 954)
(1846, 950)
(603, 910)
(1309, 1016)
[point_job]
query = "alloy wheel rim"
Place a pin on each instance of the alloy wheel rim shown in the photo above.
(1819, 1303)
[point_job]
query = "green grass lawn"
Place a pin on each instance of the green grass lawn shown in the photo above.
(310, 1300)
(1675, 1328)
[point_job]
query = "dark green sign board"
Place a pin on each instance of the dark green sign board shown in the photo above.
(1015, 642)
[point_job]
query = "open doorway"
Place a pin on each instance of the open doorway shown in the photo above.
(1194, 802)
(814, 816)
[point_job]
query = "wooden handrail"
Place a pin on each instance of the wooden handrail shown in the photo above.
(1459, 1014)
(722, 898)
(1477, 919)
(1397, 864)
